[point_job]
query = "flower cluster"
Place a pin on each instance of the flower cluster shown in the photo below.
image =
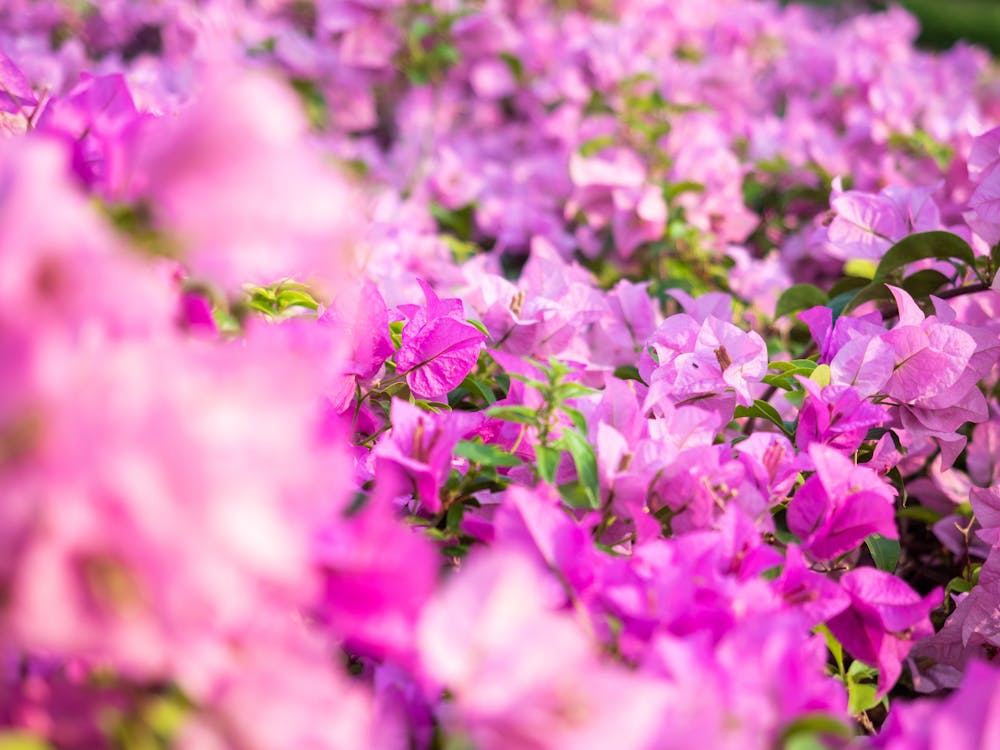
(452, 376)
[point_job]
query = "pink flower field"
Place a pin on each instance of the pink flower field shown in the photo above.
(496, 374)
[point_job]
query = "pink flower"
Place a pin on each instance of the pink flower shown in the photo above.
(100, 123)
(840, 505)
(520, 674)
(420, 447)
(866, 226)
(377, 574)
(232, 179)
(885, 617)
(17, 93)
(968, 718)
(836, 416)
(439, 348)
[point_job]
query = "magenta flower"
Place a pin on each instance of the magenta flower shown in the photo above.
(420, 446)
(15, 90)
(521, 674)
(836, 416)
(840, 505)
(438, 347)
(99, 121)
(968, 718)
(885, 617)
(377, 574)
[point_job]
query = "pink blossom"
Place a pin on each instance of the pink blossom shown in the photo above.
(840, 505)
(885, 617)
(438, 347)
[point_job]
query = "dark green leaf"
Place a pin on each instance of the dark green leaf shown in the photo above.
(840, 302)
(846, 284)
(943, 245)
(627, 372)
(884, 551)
(799, 297)
(924, 283)
(472, 384)
(873, 291)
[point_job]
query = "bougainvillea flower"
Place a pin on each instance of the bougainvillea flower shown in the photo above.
(376, 575)
(99, 120)
(16, 90)
(840, 505)
(421, 444)
(695, 360)
(866, 225)
(835, 415)
(968, 718)
(815, 595)
(519, 672)
(439, 348)
(885, 618)
(971, 632)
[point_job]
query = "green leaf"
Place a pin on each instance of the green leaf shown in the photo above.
(804, 742)
(924, 283)
(938, 244)
(834, 646)
(472, 384)
(14, 740)
(884, 551)
(861, 696)
(821, 375)
(840, 302)
(547, 461)
(576, 417)
(799, 297)
(762, 410)
(296, 298)
(459, 221)
(813, 724)
(596, 145)
(586, 464)
(627, 372)
(957, 585)
(566, 391)
(486, 455)
(846, 284)
(519, 414)
(919, 513)
(861, 671)
(873, 291)
(796, 366)
(482, 328)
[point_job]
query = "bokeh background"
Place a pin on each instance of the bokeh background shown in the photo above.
(943, 22)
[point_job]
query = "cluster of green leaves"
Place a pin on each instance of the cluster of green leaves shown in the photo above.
(865, 281)
(560, 430)
(428, 50)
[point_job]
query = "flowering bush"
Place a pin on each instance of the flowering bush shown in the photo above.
(388, 374)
